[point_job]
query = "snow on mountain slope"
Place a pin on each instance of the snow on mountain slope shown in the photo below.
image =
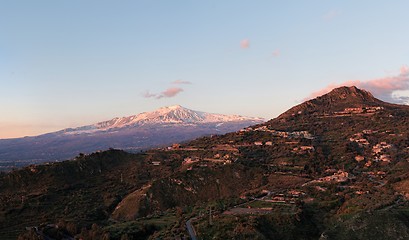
(166, 115)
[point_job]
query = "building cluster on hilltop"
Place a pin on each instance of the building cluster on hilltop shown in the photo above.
(359, 110)
(284, 134)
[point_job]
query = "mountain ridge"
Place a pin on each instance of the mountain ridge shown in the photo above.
(175, 114)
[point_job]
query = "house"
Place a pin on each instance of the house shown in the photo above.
(269, 144)
(385, 158)
(279, 198)
(190, 160)
(359, 158)
(307, 148)
(302, 134)
(378, 148)
(295, 193)
(303, 149)
(156, 163)
(262, 128)
(359, 192)
(362, 141)
(358, 137)
(340, 176)
(381, 173)
(353, 110)
(33, 169)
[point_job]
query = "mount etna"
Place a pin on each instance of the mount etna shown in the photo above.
(162, 127)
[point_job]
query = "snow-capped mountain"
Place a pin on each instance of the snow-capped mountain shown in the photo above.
(161, 127)
(175, 114)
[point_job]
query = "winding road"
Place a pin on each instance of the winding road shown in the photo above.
(191, 229)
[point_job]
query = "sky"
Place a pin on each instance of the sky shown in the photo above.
(72, 63)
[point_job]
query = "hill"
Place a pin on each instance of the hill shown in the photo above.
(340, 100)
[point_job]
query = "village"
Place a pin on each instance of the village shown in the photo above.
(227, 153)
(358, 110)
(379, 151)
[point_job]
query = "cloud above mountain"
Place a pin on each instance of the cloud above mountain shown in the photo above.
(383, 88)
(169, 92)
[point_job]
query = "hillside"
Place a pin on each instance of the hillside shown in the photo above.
(334, 167)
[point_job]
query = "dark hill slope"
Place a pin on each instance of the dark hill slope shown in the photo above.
(84, 190)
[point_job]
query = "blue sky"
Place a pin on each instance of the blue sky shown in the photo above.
(71, 63)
